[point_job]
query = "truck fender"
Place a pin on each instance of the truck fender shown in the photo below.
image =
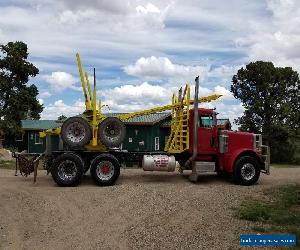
(239, 153)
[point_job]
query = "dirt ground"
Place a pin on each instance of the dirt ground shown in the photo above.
(143, 210)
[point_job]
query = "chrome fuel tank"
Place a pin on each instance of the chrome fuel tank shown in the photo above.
(159, 163)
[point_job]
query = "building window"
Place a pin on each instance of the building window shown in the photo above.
(156, 143)
(37, 139)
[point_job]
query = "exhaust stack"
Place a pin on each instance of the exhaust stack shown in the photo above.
(194, 176)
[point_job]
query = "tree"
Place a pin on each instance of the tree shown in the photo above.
(61, 118)
(18, 100)
(270, 96)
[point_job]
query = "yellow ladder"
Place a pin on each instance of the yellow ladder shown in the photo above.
(178, 140)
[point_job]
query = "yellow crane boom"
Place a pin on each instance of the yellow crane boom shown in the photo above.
(125, 117)
(86, 97)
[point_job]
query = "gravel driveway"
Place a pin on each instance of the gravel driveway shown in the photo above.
(143, 210)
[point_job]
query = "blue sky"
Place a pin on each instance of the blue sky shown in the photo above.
(144, 50)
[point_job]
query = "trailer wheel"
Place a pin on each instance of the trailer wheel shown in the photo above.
(67, 169)
(246, 171)
(112, 132)
(76, 132)
(105, 169)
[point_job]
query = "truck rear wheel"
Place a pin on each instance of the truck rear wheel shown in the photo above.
(76, 132)
(105, 169)
(67, 169)
(246, 171)
(112, 132)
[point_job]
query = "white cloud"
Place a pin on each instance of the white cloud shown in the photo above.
(226, 94)
(151, 16)
(221, 90)
(162, 68)
(45, 94)
(68, 16)
(149, 8)
(54, 110)
(41, 101)
(224, 72)
(129, 98)
(279, 39)
(61, 80)
(103, 27)
(112, 7)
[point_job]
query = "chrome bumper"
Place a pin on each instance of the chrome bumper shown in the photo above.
(266, 158)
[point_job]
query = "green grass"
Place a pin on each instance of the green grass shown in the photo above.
(277, 165)
(279, 212)
(7, 164)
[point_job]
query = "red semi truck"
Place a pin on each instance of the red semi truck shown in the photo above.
(225, 151)
(210, 148)
(240, 154)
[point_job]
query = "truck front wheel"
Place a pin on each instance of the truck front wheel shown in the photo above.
(246, 171)
(105, 169)
(67, 169)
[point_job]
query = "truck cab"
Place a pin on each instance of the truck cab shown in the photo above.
(238, 153)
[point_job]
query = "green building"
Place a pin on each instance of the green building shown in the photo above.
(31, 141)
(144, 133)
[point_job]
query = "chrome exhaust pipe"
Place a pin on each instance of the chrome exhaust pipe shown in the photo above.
(195, 131)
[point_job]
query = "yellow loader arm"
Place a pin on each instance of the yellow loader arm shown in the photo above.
(125, 117)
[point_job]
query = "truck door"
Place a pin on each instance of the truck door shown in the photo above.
(206, 141)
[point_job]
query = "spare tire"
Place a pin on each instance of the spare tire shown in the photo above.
(76, 132)
(111, 132)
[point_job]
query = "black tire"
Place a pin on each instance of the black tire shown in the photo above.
(112, 132)
(107, 163)
(76, 132)
(67, 169)
(246, 171)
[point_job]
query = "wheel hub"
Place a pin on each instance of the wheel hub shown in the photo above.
(67, 170)
(75, 132)
(248, 171)
(105, 170)
(112, 132)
